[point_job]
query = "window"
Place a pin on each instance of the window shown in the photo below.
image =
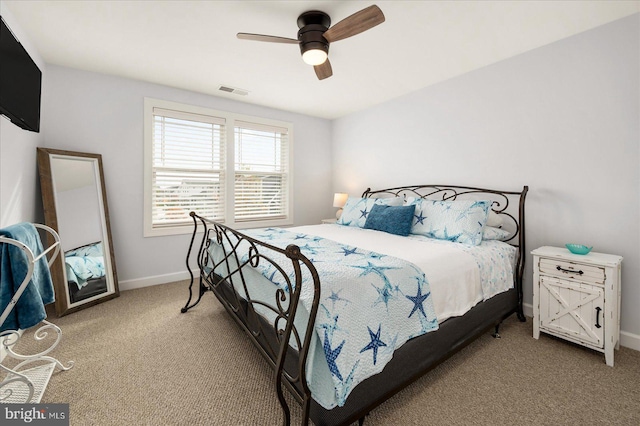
(261, 175)
(226, 167)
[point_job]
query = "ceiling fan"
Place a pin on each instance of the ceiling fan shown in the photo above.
(316, 34)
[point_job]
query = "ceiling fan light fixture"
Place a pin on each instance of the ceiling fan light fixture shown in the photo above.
(316, 33)
(314, 56)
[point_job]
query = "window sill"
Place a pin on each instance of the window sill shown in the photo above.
(188, 228)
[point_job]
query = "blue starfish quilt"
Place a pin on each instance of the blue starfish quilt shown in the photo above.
(370, 304)
(84, 263)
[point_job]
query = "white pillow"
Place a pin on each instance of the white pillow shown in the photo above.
(491, 233)
(494, 219)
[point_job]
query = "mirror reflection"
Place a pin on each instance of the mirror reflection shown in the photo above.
(79, 214)
(75, 205)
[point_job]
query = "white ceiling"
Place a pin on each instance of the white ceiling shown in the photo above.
(192, 44)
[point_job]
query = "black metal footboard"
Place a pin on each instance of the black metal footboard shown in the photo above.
(269, 324)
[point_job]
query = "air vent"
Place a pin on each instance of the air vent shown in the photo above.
(234, 90)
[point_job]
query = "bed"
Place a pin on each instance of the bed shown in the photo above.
(350, 314)
(84, 267)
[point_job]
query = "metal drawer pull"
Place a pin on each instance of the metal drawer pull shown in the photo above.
(569, 271)
(598, 317)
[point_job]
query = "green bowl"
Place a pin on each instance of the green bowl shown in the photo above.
(578, 248)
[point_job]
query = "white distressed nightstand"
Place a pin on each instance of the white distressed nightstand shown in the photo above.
(577, 298)
(329, 221)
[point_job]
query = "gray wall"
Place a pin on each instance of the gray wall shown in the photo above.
(563, 119)
(103, 114)
(19, 186)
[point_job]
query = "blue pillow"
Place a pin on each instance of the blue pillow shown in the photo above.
(460, 221)
(356, 210)
(392, 219)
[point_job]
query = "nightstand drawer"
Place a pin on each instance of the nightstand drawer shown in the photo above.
(573, 271)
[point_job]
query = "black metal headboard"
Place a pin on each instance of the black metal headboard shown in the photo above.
(512, 214)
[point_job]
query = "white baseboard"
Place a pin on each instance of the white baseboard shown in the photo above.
(153, 280)
(628, 340)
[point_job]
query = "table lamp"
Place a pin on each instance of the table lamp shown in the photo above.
(339, 200)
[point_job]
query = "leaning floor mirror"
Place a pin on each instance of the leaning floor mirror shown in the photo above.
(75, 205)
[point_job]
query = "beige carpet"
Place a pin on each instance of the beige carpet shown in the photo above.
(139, 361)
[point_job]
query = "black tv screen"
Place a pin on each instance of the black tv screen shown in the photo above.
(20, 81)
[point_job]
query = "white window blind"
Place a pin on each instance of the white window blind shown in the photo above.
(261, 179)
(227, 167)
(188, 167)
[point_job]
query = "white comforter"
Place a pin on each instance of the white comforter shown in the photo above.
(457, 272)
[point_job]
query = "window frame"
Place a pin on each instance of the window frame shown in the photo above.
(229, 209)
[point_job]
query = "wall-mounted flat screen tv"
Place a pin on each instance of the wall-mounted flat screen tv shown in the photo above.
(20, 81)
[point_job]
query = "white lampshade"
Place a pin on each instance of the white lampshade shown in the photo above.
(314, 56)
(339, 199)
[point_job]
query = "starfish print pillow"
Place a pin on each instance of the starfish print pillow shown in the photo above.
(356, 210)
(460, 221)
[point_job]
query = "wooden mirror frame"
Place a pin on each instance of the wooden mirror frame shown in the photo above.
(58, 274)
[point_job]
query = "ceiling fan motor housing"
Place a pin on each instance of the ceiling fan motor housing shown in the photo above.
(313, 25)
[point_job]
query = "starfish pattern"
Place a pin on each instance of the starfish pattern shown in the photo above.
(480, 204)
(364, 213)
(471, 211)
(374, 344)
(374, 269)
(361, 268)
(330, 327)
(347, 384)
(267, 236)
(384, 295)
(276, 230)
(272, 277)
(419, 218)
(417, 300)
(391, 347)
(348, 251)
(360, 201)
(472, 237)
(331, 355)
(463, 215)
(335, 297)
(307, 248)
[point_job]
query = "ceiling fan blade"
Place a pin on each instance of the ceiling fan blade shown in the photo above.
(355, 24)
(268, 38)
(323, 70)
